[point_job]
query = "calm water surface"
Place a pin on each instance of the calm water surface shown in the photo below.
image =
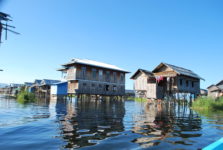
(83, 124)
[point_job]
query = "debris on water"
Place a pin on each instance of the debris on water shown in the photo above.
(101, 130)
(113, 133)
(83, 131)
(104, 127)
(87, 135)
(94, 141)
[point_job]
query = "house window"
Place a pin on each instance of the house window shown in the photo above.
(107, 88)
(181, 82)
(93, 85)
(64, 74)
(115, 88)
(83, 72)
(100, 74)
(115, 76)
(94, 73)
(72, 67)
(187, 83)
(122, 78)
(84, 84)
(192, 84)
(107, 76)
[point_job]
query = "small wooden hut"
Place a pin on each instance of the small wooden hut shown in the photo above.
(144, 84)
(45, 85)
(216, 91)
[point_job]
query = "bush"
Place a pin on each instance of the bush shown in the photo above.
(207, 103)
(25, 97)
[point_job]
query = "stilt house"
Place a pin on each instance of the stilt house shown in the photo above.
(45, 85)
(94, 78)
(216, 91)
(166, 81)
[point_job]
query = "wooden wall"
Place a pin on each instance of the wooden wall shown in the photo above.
(90, 82)
(188, 88)
(212, 93)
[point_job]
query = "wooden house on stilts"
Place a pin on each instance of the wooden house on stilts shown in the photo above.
(166, 81)
(91, 77)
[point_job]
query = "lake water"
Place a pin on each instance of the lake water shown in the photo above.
(110, 125)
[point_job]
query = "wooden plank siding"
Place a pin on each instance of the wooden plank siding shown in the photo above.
(165, 81)
(83, 79)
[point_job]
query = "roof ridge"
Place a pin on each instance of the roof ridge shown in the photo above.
(97, 61)
(178, 67)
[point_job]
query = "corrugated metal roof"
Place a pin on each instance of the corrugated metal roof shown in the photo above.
(37, 81)
(49, 82)
(183, 71)
(220, 87)
(64, 82)
(29, 83)
(94, 63)
(210, 86)
(220, 83)
(16, 85)
(149, 73)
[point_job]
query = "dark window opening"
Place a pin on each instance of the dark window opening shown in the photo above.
(114, 88)
(192, 84)
(122, 78)
(115, 76)
(83, 71)
(94, 73)
(181, 82)
(108, 76)
(187, 83)
(107, 88)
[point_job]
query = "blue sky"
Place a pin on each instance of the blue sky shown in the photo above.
(131, 34)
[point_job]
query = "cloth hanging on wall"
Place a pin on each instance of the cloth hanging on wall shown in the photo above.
(159, 78)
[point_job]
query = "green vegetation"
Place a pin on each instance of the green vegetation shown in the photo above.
(207, 103)
(137, 99)
(25, 97)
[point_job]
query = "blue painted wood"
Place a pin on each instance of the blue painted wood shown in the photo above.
(61, 88)
(218, 145)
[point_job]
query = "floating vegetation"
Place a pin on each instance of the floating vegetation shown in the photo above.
(207, 103)
(138, 99)
(25, 97)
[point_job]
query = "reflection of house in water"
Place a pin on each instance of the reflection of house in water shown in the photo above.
(86, 122)
(166, 81)
(160, 123)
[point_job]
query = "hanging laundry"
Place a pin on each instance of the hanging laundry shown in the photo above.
(168, 79)
(159, 78)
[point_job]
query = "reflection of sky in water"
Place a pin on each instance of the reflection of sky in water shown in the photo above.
(13, 114)
(104, 125)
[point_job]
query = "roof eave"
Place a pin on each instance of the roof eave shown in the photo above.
(133, 76)
(102, 67)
